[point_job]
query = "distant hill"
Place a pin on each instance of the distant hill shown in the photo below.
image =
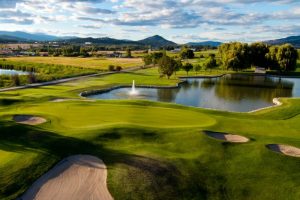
(102, 41)
(10, 39)
(19, 36)
(294, 40)
(157, 41)
(205, 43)
(24, 36)
(154, 41)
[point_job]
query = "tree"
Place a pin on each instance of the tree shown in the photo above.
(235, 55)
(187, 67)
(111, 68)
(128, 53)
(282, 58)
(186, 53)
(258, 53)
(271, 60)
(178, 65)
(166, 66)
(119, 68)
(210, 63)
(31, 78)
(156, 56)
(197, 68)
(147, 59)
(83, 52)
(287, 57)
(15, 79)
(153, 58)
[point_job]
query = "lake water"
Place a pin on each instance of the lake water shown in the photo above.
(239, 93)
(12, 72)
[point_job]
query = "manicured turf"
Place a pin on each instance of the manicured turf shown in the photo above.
(153, 150)
(93, 63)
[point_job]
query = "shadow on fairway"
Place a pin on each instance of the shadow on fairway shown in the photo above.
(163, 178)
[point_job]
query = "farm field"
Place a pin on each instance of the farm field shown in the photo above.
(152, 150)
(92, 63)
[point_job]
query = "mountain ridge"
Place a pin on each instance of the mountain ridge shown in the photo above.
(293, 40)
(205, 43)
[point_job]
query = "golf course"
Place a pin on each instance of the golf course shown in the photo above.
(152, 150)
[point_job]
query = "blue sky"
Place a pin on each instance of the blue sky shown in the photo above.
(178, 20)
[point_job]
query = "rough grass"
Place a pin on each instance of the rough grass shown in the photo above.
(93, 63)
(153, 150)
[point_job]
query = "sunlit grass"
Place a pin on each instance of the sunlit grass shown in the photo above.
(93, 63)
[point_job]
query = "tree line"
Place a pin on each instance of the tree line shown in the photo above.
(167, 66)
(234, 56)
(238, 56)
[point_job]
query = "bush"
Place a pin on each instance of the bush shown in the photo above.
(119, 68)
(111, 68)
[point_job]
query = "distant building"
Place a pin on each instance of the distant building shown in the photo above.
(44, 54)
(6, 52)
(26, 53)
(109, 54)
(260, 70)
(115, 55)
(22, 46)
(176, 50)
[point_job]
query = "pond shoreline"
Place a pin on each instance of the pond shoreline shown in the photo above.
(276, 101)
(243, 74)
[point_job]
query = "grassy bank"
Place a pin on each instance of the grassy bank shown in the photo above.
(153, 150)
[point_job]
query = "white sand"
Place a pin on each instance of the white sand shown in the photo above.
(285, 149)
(228, 137)
(78, 177)
(29, 119)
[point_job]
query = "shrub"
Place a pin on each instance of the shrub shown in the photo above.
(119, 68)
(111, 68)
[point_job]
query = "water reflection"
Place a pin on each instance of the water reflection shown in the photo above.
(167, 95)
(231, 92)
(12, 72)
(239, 87)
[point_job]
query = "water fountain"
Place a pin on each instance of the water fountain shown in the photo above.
(133, 91)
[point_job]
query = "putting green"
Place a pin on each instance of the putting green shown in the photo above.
(74, 115)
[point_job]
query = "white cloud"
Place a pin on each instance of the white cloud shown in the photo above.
(211, 19)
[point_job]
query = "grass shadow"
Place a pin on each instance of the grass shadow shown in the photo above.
(52, 148)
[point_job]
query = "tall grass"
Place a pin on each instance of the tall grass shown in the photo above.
(42, 72)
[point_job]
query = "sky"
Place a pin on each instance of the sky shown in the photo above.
(178, 20)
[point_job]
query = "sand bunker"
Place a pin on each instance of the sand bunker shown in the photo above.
(76, 177)
(227, 137)
(285, 149)
(29, 119)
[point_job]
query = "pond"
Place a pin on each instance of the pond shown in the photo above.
(12, 72)
(238, 93)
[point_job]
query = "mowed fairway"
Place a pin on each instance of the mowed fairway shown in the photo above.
(152, 150)
(92, 63)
